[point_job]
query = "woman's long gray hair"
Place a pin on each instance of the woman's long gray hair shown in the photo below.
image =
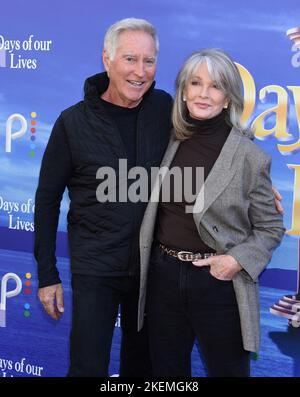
(227, 78)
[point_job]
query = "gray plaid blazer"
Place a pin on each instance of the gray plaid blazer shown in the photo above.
(238, 218)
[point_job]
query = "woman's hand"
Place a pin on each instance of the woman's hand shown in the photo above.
(222, 267)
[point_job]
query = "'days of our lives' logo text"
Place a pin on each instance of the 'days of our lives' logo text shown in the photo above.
(14, 53)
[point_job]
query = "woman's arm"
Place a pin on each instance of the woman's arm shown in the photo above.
(251, 256)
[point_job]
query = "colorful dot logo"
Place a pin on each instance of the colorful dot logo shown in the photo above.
(33, 132)
(27, 292)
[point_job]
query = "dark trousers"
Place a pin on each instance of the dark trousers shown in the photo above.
(95, 308)
(185, 302)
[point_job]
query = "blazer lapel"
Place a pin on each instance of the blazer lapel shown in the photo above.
(219, 176)
(164, 167)
(170, 152)
(149, 219)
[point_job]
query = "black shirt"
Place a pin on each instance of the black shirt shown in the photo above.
(125, 119)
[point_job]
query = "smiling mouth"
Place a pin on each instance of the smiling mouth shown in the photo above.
(202, 105)
(136, 83)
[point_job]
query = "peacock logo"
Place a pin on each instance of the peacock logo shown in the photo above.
(8, 294)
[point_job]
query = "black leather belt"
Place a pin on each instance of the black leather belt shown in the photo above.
(186, 256)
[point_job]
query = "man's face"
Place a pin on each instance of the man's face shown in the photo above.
(132, 70)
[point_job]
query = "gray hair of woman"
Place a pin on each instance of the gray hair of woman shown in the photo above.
(226, 76)
(129, 24)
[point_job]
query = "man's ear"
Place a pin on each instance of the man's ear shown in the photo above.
(106, 61)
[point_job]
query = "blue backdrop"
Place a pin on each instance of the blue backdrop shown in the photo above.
(46, 52)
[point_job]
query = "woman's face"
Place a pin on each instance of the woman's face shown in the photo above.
(204, 99)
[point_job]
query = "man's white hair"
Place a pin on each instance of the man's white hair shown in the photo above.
(133, 24)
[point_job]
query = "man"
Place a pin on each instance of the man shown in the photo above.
(122, 116)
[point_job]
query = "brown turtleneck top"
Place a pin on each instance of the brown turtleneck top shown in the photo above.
(176, 229)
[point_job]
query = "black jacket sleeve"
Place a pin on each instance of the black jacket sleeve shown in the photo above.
(55, 172)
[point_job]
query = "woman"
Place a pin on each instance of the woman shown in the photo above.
(204, 267)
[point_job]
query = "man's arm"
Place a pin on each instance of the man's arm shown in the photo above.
(55, 172)
(52, 298)
(278, 199)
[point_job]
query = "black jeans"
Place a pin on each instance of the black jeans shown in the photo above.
(95, 308)
(185, 302)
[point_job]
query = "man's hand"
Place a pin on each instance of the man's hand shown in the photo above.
(222, 267)
(52, 299)
(278, 198)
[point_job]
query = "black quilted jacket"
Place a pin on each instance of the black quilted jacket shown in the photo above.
(103, 237)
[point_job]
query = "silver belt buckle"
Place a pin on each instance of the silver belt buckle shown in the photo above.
(182, 255)
(208, 255)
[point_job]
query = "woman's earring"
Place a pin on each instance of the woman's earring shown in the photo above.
(184, 99)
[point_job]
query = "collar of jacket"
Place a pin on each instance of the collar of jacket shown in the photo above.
(96, 85)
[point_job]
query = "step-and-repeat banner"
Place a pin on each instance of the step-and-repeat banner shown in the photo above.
(46, 52)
